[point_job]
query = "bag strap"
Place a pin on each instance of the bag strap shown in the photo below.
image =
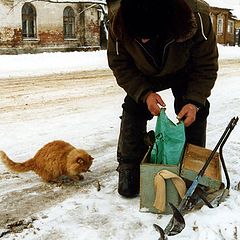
(160, 188)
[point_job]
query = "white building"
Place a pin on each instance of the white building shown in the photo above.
(37, 26)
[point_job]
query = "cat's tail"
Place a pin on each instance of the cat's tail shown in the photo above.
(14, 166)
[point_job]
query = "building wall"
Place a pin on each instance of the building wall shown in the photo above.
(49, 28)
(237, 33)
(92, 33)
(237, 24)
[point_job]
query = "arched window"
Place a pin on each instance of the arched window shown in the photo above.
(28, 21)
(68, 23)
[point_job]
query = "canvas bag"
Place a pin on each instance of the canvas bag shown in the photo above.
(169, 141)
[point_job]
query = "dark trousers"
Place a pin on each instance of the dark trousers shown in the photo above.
(131, 146)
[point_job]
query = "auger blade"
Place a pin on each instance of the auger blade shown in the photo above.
(175, 226)
(177, 222)
(163, 236)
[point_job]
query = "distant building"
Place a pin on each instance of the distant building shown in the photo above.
(40, 26)
(224, 15)
(224, 25)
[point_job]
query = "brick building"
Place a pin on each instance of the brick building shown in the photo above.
(40, 26)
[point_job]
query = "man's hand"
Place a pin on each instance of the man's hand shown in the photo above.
(188, 112)
(152, 101)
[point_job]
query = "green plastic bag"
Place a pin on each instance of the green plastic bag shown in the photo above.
(169, 141)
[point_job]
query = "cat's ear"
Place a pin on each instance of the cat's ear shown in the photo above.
(90, 157)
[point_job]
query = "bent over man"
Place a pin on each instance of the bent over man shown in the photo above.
(155, 45)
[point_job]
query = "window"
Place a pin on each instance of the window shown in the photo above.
(28, 21)
(230, 26)
(69, 23)
(220, 25)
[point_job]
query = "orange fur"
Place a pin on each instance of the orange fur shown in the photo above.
(53, 160)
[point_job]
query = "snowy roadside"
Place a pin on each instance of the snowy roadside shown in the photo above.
(55, 63)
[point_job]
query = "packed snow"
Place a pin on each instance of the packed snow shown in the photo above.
(48, 63)
(104, 214)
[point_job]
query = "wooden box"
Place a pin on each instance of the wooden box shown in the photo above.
(193, 160)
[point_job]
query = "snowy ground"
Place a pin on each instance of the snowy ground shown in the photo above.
(81, 105)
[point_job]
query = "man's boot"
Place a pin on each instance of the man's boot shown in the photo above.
(129, 180)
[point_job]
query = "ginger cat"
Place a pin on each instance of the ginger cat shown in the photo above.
(53, 160)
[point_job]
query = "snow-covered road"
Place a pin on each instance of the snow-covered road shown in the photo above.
(83, 108)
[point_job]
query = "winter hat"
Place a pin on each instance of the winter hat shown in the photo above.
(147, 18)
